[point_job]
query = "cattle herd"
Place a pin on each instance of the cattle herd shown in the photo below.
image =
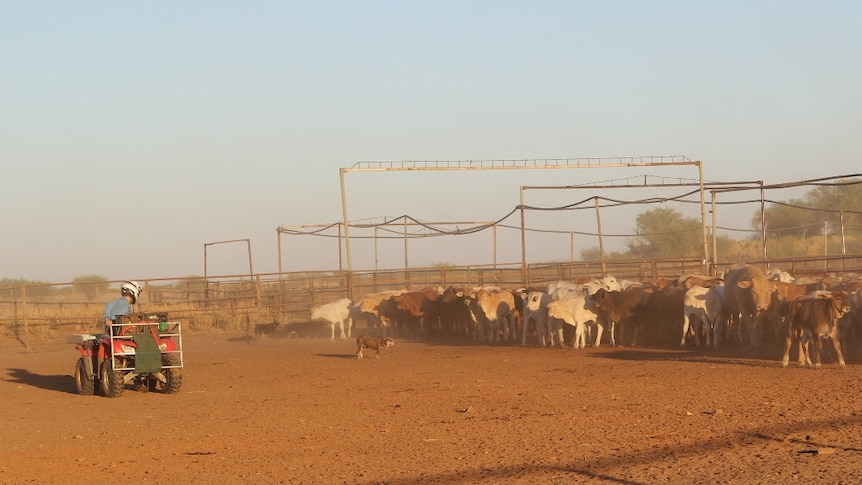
(744, 306)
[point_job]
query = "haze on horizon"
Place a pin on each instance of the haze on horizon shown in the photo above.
(133, 134)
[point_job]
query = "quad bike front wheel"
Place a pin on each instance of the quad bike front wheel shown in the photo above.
(85, 386)
(111, 381)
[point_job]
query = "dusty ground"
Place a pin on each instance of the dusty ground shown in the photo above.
(307, 411)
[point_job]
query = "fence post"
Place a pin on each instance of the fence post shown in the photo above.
(256, 283)
(24, 317)
(843, 242)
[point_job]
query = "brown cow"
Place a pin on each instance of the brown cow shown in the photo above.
(447, 315)
(747, 295)
(621, 308)
(406, 311)
(663, 316)
(368, 308)
(851, 324)
(812, 317)
(494, 313)
(852, 286)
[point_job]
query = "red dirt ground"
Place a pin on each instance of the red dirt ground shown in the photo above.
(307, 411)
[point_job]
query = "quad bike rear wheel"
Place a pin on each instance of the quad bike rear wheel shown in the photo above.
(85, 386)
(111, 381)
(174, 377)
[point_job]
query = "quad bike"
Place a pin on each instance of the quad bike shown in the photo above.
(144, 350)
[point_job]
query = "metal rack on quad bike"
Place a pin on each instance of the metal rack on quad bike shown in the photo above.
(144, 350)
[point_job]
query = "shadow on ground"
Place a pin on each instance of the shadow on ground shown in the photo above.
(62, 383)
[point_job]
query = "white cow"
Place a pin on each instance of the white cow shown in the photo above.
(777, 274)
(574, 310)
(536, 307)
(579, 312)
(704, 305)
(608, 282)
(335, 313)
(560, 289)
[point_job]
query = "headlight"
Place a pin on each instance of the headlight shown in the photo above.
(126, 349)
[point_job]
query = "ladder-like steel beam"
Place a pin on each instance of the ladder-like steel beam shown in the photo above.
(535, 163)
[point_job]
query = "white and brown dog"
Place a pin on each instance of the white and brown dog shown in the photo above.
(372, 342)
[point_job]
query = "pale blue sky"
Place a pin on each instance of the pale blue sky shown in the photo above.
(133, 133)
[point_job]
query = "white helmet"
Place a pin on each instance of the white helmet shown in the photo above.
(132, 288)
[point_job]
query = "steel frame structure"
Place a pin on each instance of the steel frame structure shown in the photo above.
(713, 187)
(523, 164)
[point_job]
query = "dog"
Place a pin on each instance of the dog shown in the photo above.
(373, 342)
(267, 329)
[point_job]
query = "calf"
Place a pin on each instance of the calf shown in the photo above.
(813, 317)
(777, 313)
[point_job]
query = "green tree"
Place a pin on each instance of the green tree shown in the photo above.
(593, 254)
(665, 233)
(13, 282)
(91, 285)
(12, 287)
(791, 225)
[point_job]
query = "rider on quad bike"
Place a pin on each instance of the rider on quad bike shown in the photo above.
(129, 293)
(141, 349)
